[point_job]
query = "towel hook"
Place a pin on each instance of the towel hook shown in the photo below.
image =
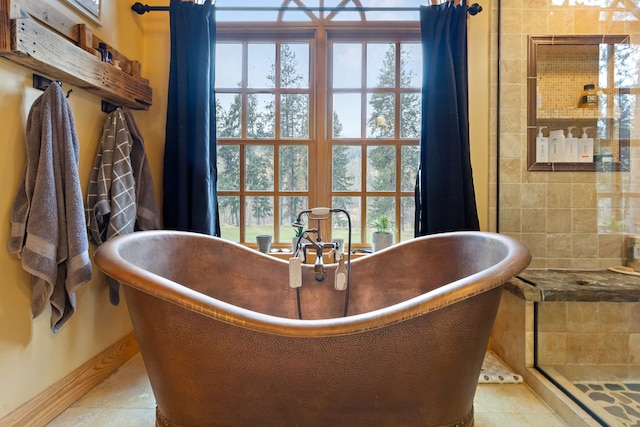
(42, 83)
(68, 92)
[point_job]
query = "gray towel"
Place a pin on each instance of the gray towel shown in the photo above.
(120, 198)
(111, 197)
(48, 231)
(148, 210)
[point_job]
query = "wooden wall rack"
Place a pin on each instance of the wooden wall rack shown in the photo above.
(66, 51)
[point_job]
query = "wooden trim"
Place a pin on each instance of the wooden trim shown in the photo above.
(55, 399)
(5, 25)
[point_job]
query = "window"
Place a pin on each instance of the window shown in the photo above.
(317, 111)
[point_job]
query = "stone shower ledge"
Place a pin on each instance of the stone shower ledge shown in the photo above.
(575, 285)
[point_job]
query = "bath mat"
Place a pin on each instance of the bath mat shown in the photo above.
(494, 371)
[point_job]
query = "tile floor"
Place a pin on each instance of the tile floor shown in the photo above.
(617, 399)
(124, 399)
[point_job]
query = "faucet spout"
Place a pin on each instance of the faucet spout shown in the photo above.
(319, 272)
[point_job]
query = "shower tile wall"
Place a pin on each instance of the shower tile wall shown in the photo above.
(567, 219)
(594, 340)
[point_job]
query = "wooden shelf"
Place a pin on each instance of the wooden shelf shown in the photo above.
(28, 43)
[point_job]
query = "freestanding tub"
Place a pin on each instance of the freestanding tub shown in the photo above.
(219, 333)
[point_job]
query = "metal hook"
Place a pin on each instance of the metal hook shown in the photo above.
(42, 83)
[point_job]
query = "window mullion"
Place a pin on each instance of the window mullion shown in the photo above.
(243, 193)
(320, 164)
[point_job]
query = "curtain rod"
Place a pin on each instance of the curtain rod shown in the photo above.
(141, 9)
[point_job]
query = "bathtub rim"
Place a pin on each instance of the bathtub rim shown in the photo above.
(108, 259)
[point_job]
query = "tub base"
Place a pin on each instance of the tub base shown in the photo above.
(466, 421)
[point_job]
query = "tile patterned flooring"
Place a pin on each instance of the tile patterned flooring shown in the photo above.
(620, 400)
(124, 399)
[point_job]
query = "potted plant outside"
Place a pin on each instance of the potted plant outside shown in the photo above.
(382, 237)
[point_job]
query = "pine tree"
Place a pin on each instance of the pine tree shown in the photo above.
(381, 162)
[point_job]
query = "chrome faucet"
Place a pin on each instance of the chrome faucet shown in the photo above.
(304, 241)
(318, 214)
(319, 272)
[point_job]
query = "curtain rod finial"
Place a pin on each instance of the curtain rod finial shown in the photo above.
(139, 8)
(474, 9)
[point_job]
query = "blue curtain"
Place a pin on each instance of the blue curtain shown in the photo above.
(190, 175)
(445, 197)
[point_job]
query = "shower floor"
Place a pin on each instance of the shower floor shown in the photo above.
(617, 402)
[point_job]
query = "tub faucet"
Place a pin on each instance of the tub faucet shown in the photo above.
(319, 272)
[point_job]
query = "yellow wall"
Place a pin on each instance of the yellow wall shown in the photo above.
(479, 89)
(31, 356)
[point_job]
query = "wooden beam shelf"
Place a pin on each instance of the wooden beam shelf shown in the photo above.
(31, 44)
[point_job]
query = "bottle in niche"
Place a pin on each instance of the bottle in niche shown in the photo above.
(570, 146)
(556, 146)
(542, 147)
(585, 147)
(589, 98)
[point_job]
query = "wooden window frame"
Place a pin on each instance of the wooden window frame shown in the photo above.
(320, 35)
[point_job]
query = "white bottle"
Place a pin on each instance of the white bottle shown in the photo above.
(585, 147)
(556, 146)
(542, 147)
(570, 146)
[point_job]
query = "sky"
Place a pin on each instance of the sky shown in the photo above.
(245, 16)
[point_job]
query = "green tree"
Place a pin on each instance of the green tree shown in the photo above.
(260, 122)
(229, 123)
(228, 179)
(381, 158)
(294, 107)
(341, 178)
(259, 177)
(294, 123)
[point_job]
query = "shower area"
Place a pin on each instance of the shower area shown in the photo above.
(567, 184)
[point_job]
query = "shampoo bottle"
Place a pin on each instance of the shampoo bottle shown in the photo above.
(556, 146)
(570, 146)
(585, 147)
(542, 147)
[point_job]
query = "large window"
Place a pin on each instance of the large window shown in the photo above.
(323, 112)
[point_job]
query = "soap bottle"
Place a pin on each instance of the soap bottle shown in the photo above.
(589, 98)
(585, 147)
(556, 146)
(570, 146)
(542, 147)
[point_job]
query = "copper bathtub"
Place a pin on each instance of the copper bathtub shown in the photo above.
(220, 336)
